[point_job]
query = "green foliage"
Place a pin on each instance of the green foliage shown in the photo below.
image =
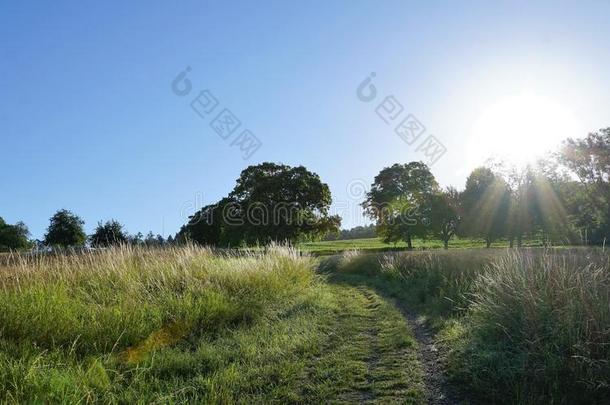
(153, 240)
(13, 237)
(65, 230)
(137, 239)
(541, 200)
(485, 203)
(445, 207)
(108, 234)
(516, 327)
(205, 226)
(589, 160)
(399, 199)
(269, 203)
(357, 232)
(521, 217)
(186, 325)
(538, 202)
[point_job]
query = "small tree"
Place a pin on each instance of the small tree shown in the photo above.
(137, 239)
(445, 214)
(153, 240)
(108, 234)
(399, 201)
(519, 221)
(65, 230)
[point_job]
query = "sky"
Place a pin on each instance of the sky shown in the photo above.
(91, 121)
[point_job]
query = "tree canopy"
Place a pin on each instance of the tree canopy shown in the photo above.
(399, 201)
(110, 233)
(13, 237)
(564, 199)
(445, 214)
(270, 202)
(485, 201)
(589, 160)
(65, 230)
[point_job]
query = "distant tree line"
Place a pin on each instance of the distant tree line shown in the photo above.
(562, 199)
(66, 230)
(270, 202)
(357, 232)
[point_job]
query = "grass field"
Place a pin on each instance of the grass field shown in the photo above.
(377, 245)
(139, 326)
(189, 324)
(515, 327)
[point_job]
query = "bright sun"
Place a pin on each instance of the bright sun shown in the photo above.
(521, 128)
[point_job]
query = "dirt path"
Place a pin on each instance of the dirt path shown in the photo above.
(438, 389)
(377, 354)
(408, 372)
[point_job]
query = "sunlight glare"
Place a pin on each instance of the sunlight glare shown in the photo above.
(521, 128)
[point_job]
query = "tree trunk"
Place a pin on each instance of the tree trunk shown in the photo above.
(511, 242)
(446, 243)
(487, 243)
(409, 244)
(519, 241)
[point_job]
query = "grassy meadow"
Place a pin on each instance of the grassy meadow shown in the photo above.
(132, 325)
(329, 247)
(189, 324)
(520, 327)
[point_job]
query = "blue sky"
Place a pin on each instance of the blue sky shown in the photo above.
(88, 120)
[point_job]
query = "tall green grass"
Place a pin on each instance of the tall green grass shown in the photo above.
(539, 327)
(110, 301)
(129, 323)
(132, 325)
(528, 326)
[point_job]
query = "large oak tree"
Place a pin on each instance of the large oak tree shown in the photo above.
(270, 202)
